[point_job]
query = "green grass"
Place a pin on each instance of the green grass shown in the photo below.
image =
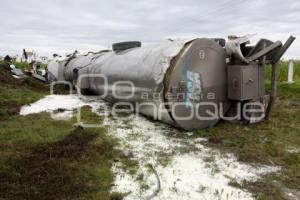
(45, 159)
(268, 142)
(25, 65)
(13, 98)
(21, 65)
(15, 93)
(283, 71)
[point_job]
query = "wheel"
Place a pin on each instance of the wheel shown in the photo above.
(121, 46)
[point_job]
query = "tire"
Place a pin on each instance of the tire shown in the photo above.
(121, 46)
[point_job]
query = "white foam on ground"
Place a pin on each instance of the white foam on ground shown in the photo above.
(198, 172)
(186, 167)
(52, 103)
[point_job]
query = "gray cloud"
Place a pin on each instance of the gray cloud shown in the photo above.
(63, 25)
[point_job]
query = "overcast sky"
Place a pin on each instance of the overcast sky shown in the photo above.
(59, 26)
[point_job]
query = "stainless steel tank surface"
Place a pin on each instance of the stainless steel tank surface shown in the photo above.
(178, 82)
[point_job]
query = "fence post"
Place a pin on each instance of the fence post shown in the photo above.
(290, 72)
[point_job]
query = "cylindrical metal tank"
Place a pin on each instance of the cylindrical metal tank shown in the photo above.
(179, 82)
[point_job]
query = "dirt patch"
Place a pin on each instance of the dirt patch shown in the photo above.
(215, 140)
(46, 171)
(7, 79)
(13, 110)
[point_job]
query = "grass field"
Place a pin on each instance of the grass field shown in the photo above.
(25, 65)
(45, 159)
(273, 142)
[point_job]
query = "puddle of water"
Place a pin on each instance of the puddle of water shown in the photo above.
(187, 169)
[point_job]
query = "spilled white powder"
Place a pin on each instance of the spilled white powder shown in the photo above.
(186, 167)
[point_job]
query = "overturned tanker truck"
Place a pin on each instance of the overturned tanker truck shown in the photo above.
(191, 84)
